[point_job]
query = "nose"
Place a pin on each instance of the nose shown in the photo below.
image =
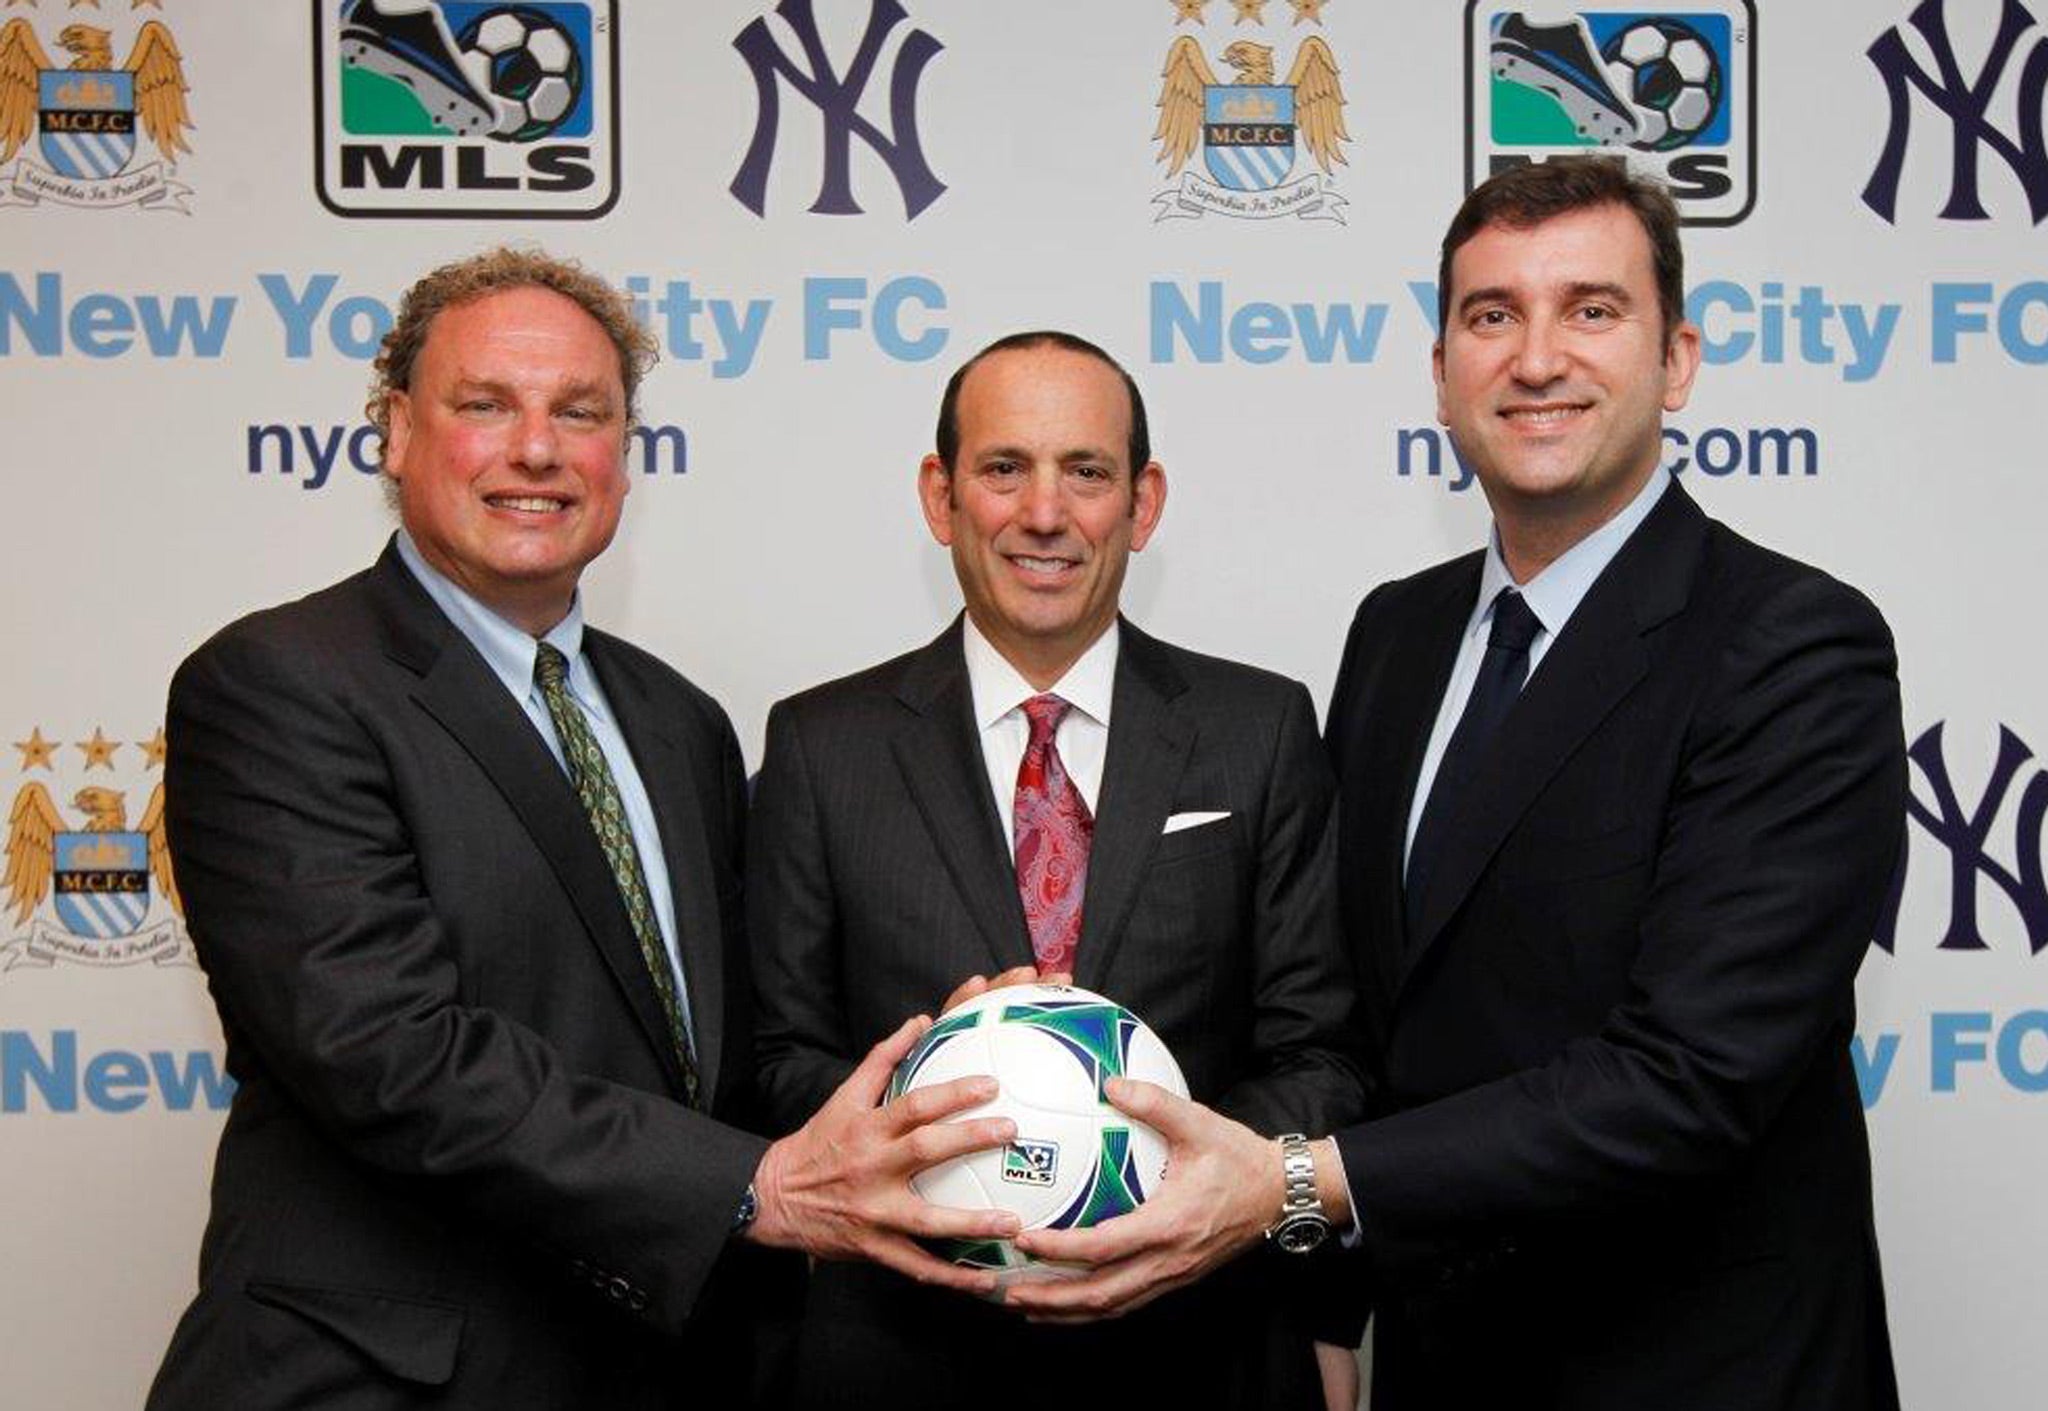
(1540, 354)
(536, 445)
(1043, 509)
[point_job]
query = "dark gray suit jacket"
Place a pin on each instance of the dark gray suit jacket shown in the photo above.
(457, 1170)
(878, 880)
(1619, 1158)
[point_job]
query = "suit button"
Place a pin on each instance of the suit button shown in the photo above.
(618, 1288)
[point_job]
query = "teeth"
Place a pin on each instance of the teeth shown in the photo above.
(1038, 565)
(1543, 415)
(539, 504)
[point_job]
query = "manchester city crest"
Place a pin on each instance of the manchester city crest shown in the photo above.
(1269, 145)
(88, 881)
(89, 118)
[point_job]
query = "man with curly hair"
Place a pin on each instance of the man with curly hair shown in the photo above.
(464, 875)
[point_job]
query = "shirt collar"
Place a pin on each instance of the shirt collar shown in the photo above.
(1555, 593)
(508, 650)
(999, 688)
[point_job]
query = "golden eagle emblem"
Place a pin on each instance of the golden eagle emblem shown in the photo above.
(36, 829)
(1250, 112)
(154, 66)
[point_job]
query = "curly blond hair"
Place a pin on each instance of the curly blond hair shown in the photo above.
(492, 272)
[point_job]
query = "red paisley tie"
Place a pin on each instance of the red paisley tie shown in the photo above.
(1053, 828)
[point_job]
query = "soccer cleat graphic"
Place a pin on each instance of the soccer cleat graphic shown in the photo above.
(407, 41)
(1562, 61)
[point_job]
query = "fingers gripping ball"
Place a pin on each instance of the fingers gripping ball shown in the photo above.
(1076, 1160)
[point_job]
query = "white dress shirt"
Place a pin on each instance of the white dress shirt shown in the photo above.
(1552, 595)
(1083, 735)
(510, 653)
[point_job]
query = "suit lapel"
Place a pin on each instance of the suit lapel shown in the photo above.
(675, 791)
(939, 752)
(1595, 662)
(1389, 739)
(1149, 742)
(458, 689)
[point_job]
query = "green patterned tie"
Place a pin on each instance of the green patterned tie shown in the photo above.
(600, 795)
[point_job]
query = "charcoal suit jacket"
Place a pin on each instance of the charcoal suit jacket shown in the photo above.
(1618, 1157)
(457, 1170)
(878, 879)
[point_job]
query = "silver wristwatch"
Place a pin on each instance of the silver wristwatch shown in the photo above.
(1302, 1224)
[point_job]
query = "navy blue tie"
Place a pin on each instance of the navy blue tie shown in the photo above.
(1501, 673)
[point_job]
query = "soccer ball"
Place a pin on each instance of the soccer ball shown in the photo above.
(1075, 1161)
(529, 66)
(1671, 78)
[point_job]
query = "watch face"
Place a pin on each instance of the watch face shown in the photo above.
(1302, 1233)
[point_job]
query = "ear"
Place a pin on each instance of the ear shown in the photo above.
(397, 433)
(1148, 502)
(935, 495)
(1436, 372)
(1681, 365)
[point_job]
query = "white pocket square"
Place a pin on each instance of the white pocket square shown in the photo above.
(1178, 821)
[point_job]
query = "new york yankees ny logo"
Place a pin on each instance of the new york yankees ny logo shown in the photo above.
(1966, 834)
(837, 97)
(1965, 103)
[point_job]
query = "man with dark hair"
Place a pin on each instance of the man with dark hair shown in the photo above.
(1621, 796)
(1044, 789)
(464, 877)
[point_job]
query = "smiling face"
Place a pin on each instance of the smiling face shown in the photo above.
(1039, 508)
(508, 450)
(1554, 372)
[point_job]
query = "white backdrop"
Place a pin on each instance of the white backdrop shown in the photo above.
(1872, 404)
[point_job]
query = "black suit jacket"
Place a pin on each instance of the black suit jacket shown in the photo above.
(878, 880)
(457, 1170)
(1620, 1158)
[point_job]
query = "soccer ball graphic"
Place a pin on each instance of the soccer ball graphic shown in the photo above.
(1670, 77)
(529, 66)
(1076, 1161)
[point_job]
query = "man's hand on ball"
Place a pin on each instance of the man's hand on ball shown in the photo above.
(975, 985)
(1223, 1186)
(839, 1188)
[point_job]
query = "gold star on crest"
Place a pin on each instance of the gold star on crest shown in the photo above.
(1308, 10)
(36, 752)
(99, 750)
(1189, 10)
(1253, 10)
(153, 749)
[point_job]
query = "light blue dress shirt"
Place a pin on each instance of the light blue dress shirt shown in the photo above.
(1552, 595)
(510, 651)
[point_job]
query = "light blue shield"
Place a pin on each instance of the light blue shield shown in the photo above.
(1248, 134)
(102, 883)
(86, 126)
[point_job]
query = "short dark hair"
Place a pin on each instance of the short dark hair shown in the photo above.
(1139, 448)
(1530, 194)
